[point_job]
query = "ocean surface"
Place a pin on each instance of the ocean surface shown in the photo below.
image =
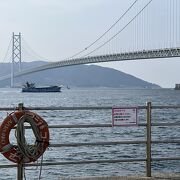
(98, 97)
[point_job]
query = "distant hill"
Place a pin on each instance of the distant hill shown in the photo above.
(77, 76)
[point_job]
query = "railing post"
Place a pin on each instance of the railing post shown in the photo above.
(148, 143)
(20, 165)
(20, 171)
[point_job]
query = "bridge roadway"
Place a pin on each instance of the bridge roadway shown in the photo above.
(136, 55)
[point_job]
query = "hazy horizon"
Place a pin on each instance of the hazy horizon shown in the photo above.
(58, 29)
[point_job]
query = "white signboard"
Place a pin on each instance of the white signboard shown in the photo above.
(124, 116)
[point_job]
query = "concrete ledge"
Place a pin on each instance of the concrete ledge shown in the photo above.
(155, 177)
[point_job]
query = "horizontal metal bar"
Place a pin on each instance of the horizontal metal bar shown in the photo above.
(87, 125)
(8, 166)
(7, 109)
(71, 108)
(165, 158)
(165, 141)
(64, 108)
(80, 126)
(74, 162)
(103, 125)
(91, 162)
(74, 126)
(85, 107)
(88, 162)
(96, 143)
(111, 143)
(108, 125)
(166, 107)
(166, 124)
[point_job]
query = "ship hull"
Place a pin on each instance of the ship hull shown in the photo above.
(42, 89)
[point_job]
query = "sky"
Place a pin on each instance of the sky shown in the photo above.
(57, 29)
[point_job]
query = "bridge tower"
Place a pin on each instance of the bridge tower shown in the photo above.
(16, 54)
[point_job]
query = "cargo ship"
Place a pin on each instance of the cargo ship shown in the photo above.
(30, 87)
(177, 87)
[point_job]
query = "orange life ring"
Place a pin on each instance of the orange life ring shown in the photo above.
(12, 152)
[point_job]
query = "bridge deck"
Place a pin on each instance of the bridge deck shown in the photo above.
(135, 55)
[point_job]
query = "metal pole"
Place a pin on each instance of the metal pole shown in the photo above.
(20, 106)
(20, 165)
(148, 145)
(20, 171)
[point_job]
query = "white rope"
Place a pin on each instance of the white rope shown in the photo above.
(28, 151)
(40, 171)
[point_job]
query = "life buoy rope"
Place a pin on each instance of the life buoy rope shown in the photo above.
(23, 152)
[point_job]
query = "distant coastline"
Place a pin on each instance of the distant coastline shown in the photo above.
(78, 76)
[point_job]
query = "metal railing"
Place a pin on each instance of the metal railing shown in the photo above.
(148, 140)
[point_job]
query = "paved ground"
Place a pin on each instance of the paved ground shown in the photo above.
(155, 177)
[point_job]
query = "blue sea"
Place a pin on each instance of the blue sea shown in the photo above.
(98, 97)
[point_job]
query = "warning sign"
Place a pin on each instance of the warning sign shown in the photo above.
(124, 116)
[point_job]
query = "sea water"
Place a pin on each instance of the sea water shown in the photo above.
(98, 97)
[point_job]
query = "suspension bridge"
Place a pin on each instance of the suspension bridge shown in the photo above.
(146, 30)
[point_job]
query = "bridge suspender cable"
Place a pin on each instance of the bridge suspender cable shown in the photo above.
(6, 54)
(32, 52)
(76, 54)
(119, 30)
